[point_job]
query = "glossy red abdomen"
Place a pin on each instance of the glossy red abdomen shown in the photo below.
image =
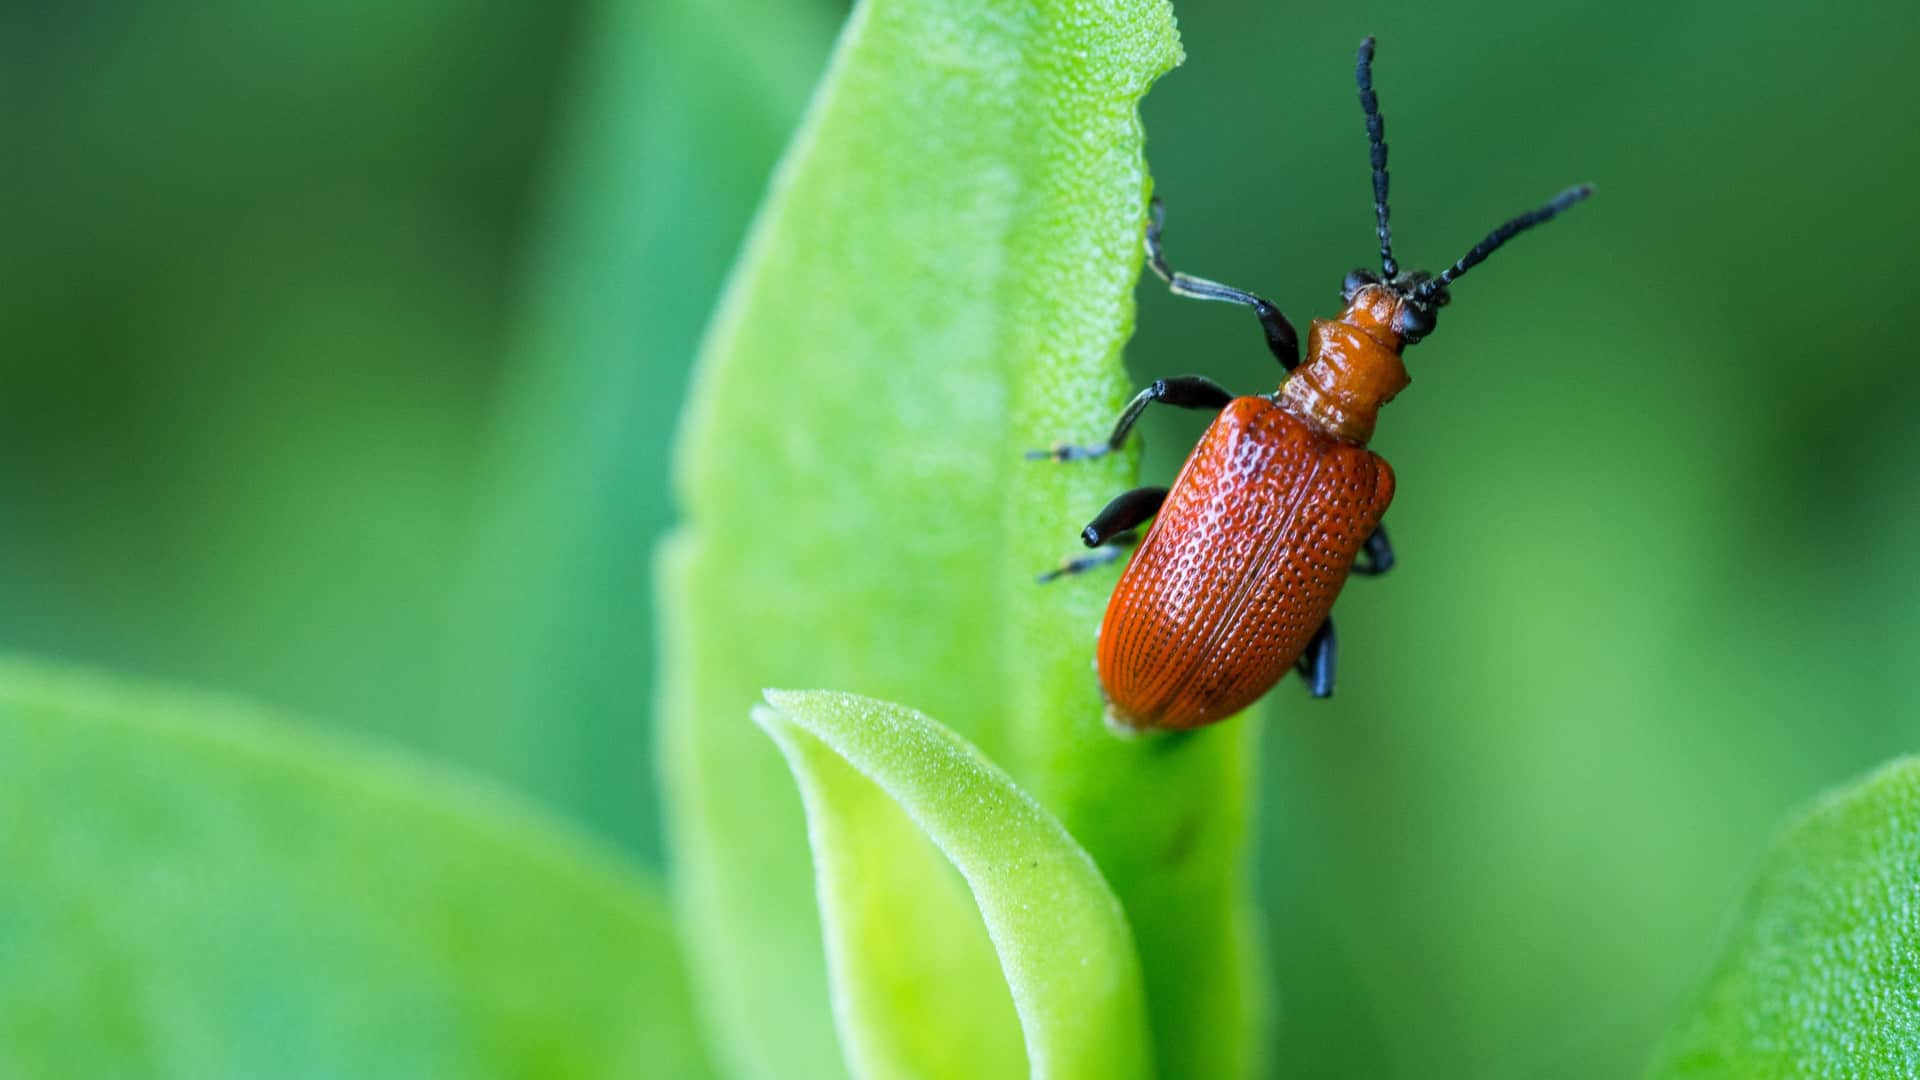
(1254, 541)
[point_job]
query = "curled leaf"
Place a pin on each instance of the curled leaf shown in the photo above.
(914, 987)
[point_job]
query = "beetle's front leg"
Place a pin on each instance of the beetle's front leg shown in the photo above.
(1316, 664)
(1376, 557)
(1282, 341)
(1185, 391)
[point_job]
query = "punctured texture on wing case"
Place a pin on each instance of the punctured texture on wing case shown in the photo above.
(1243, 562)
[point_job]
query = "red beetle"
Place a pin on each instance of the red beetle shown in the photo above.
(1280, 501)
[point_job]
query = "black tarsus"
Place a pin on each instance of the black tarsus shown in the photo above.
(1316, 664)
(1500, 236)
(1115, 547)
(1123, 514)
(1377, 141)
(1184, 391)
(1282, 341)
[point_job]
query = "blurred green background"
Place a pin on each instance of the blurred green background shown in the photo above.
(342, 348)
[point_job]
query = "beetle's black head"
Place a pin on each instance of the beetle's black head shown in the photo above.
(1421, 295)
(1414, 315)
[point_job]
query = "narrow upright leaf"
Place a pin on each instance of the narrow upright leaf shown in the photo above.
(940, 280)
(916, 994)
(1821, 975)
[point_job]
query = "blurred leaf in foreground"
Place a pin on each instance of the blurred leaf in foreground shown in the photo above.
(941, 279)
(192, 892)
(1821, 976)
(917, 994)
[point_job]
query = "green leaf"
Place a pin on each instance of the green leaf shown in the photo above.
(916, 994)
(1821, 975)
(663, 147)
(941, 279)
(193, 891)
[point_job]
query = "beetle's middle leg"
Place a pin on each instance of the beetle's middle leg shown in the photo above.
(1100, 556)
(1281, 339)
(1122, 515)
(1316, 664)
(1112, 531)
(1185, 391)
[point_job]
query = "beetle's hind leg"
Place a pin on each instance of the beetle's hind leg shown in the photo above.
(1184, 391)
(1317, 663)
(1112, 531)
(1281, 339)
(1376, 557)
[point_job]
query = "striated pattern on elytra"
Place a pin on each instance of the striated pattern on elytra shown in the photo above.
(1242, 564)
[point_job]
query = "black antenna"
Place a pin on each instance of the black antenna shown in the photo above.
(1377, 139)
(1500, 236)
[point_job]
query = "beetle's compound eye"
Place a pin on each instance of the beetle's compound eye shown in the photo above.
(1357, 280)
(1413, 322)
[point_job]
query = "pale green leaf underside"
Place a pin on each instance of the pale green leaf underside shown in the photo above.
(917, 989)
(190, 890)
(940, 279)
(1821, 975)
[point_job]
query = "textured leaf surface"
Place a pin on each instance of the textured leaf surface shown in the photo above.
(1821, 976)
(940, 280)
(916, 993)
(192, 892)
